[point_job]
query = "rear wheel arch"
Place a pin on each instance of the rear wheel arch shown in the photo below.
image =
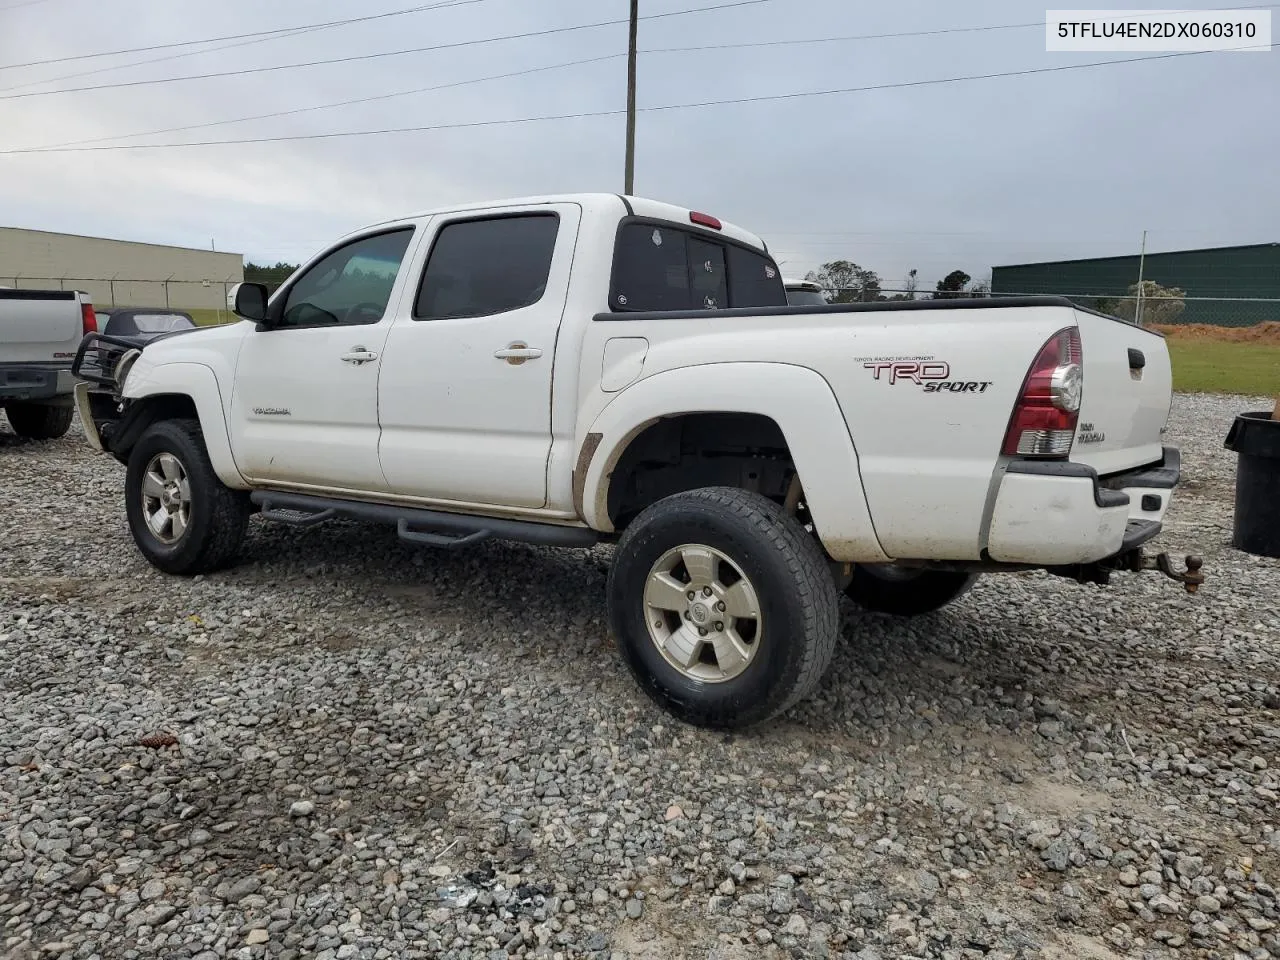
(689, 451)
(786, 401)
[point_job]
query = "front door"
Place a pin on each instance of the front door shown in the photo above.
(305, 406)
(465, 397)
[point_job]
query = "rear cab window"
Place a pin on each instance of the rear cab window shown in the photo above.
(661, 267)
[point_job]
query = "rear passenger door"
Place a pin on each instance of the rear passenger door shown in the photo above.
(465, 389)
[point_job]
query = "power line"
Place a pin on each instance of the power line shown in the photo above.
(396, 13)
(776, 97)
(559, 66)
(347, 103)
(912, 33)
(233, 36)
(283, 34)
(389, 53)
(840, 39)
(571, 63)
(149, 63)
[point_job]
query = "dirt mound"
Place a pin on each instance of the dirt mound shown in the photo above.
(1268, 332)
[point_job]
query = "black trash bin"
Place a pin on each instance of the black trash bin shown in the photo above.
(1255, 438)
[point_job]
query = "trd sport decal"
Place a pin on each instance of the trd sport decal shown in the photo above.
(932, 376)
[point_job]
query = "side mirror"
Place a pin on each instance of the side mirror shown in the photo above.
(250, 301)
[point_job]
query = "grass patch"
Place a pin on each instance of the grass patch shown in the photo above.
(1208, 366)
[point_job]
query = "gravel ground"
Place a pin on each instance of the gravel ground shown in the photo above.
(347, 748)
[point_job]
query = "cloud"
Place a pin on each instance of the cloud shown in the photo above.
(936, 177)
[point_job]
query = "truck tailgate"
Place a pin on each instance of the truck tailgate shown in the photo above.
(39, 326)
(1127, 393)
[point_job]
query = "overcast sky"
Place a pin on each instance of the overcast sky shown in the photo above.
(966, 174)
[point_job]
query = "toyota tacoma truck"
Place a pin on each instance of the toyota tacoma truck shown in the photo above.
(586, 368)
(39, 333)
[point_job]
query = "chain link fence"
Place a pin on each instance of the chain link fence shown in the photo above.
(208, 296)
(1213, 311)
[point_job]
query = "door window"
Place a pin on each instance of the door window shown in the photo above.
(351, 285)
(479, 268)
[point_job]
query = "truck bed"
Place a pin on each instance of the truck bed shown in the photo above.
(927, 388)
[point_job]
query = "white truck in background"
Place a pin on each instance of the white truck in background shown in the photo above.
(40, 331)
(804, 293)
(574, 369)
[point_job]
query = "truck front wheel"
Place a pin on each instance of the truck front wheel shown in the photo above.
(39, 421)
(183, 519)
(723, 605)
(904, 592)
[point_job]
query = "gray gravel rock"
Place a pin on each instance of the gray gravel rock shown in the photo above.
(370, 762)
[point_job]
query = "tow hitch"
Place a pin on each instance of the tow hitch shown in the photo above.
(1191, 578)
(1136, 561)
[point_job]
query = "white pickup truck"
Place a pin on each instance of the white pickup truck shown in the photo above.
(585, 368)
(39, 333)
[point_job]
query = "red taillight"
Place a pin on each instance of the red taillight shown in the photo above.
(705, 220)
(88, 319)
(1044, 420)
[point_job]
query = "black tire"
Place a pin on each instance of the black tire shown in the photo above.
(906, 593)
(39, 421)
(218, 514)
(798, 604)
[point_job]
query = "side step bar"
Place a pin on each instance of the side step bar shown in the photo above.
(430, 527)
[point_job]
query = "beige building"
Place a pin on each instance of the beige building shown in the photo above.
(118, 272)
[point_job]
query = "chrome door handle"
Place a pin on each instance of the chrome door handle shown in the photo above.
(359, 355)
(517, 353)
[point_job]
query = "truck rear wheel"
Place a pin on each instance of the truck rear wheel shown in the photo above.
(723, 605)
(904, 592)
(39, 421)
(183, 519)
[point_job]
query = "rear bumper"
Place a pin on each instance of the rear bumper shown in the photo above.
(35, 381)
(1054, 513)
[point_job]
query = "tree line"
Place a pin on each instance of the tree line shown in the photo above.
(269, 276)
(843, 281)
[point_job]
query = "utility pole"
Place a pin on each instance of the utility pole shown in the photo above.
(1142, 262)
(631, 100)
